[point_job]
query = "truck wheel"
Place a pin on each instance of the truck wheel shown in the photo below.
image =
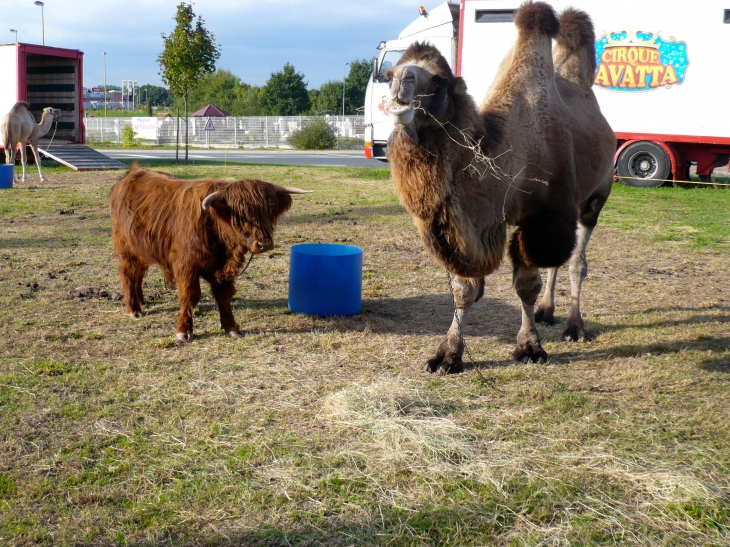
(643, 164)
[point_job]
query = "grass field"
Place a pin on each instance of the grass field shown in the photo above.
(325, 431)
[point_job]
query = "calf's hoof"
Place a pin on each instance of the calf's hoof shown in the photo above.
(135, 315)
(545, 315)
(576, 333)
(184, 337)
(236, 334)
(444, 365)
(530, 353)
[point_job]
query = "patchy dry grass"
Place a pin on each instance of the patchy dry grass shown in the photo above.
(313, 431)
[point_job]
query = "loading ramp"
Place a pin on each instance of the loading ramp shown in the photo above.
(80, 157)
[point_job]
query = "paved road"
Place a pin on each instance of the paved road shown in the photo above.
(338, 158)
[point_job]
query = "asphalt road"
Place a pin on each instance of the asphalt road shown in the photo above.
(332, 158)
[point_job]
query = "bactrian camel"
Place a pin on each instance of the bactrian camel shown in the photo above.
(19, 127)
(528, 171)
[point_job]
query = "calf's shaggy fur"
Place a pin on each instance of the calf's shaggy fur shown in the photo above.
(191, 229)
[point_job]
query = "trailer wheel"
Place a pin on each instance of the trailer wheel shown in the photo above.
(643, 164)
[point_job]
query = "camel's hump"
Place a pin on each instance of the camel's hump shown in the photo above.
(537, 18)
(18, 106)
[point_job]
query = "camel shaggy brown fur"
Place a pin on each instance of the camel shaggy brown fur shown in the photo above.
(527, 172)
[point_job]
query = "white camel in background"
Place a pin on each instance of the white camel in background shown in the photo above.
(18, 126)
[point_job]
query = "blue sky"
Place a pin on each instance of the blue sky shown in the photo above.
(256, 37)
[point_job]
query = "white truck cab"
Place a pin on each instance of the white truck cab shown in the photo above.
(440, 27)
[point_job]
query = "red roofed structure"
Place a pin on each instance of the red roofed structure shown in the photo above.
(211, 110)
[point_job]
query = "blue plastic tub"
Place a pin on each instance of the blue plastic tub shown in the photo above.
(6, 175)
(325, 279)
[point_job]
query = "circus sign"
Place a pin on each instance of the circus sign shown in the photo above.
(634, 60)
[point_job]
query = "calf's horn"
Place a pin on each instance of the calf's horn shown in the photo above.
(291, 190)
(210, 198)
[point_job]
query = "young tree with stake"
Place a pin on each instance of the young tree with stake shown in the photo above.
(190, 52)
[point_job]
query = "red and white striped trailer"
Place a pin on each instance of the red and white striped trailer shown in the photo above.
(662, 76)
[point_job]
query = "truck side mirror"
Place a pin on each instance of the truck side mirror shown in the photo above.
(375, 70)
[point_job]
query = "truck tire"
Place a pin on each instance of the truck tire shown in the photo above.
(643, 164)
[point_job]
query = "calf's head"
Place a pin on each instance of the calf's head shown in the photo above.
(251, 208)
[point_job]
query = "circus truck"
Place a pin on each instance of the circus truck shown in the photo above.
(662, 76)
(44, 76)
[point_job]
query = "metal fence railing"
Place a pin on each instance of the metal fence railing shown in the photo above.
(231, 132)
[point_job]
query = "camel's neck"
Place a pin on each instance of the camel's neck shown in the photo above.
(441, 177)
(46, 122)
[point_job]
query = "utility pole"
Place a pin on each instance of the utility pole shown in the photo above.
(344, 78)
(105, 100)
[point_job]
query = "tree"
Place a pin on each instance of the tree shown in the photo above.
(327, 99)
(189, 54)
(355, 85)
(285, 93)
(155, 95)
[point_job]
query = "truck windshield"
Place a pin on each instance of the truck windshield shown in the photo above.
(390, 58)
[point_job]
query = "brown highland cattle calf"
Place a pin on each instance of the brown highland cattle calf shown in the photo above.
(191, 229)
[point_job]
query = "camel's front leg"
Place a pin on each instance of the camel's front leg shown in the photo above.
(527, 284)
(37, 162)
(577, 271)
(447, 359)
(23, 159)
(546, 308)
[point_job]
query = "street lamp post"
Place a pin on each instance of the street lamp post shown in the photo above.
(43, 20)
(135, 94)
(104, 87)
(16, 34)
(344, 77)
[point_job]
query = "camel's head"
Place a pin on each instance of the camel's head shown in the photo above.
(49, 111)
(420, 85)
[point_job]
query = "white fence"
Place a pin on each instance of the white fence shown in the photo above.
(232, 131)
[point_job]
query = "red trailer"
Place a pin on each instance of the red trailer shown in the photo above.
(45, 76)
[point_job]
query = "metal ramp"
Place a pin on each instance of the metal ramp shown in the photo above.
(80, 157)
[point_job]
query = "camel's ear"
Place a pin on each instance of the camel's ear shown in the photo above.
(458, 86)
(389, 74)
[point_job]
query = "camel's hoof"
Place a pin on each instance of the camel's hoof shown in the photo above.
(576, 334)
(444, 366)
(529, 354)
(236, 333)
(184, 337)
(545, 316)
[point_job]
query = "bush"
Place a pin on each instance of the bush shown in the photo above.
(314, 134)
(129, 136)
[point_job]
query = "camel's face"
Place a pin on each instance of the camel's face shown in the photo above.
(55, 112)
(417, 91)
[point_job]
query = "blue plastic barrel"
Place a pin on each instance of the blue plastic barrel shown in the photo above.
(325, 279)
(6, 175)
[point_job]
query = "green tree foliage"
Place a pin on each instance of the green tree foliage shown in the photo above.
(285, 93)
(189, 53)
(355, 85)
(156, 95)
(315, 134)
(327, 99)
(226, 91)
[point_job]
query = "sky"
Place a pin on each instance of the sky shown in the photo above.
(256, 37)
